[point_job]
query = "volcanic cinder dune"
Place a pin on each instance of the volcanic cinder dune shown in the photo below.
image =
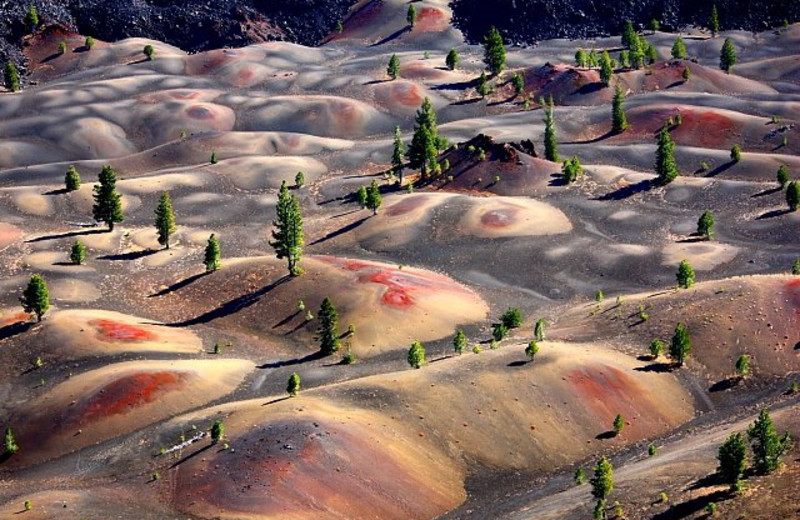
(155, 386)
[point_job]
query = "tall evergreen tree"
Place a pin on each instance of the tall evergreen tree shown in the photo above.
(361, 197)
(783, 176)
(727, 56)
(452, 59)
(679, 49)
(425, 143)
(36, 297)
(217, 431)
(602, 483)
(666, 167)
(107, 202)
(732, 456)
(539, 329)
(681, 345)
(212, 254)
(685, 275)
(374, 197)
(459, 341)
(411, 15)
(288, 237)
(793, 195)
(483, 85)
(629, 35)
(768, 447)
(11, 76)
(581, 58)
(638, 51)
(10, 445)
(705, 225)
(531, 350)
(77, 253)
(713, 20)
(293, 386)
(398, 154)
(606, 69)
(393, 70)
(619, 121)
(550, 139)
(165, 219)
(32, 18)
(72, 179)
(328, 331)
(416, 355)
(743, 366)
(494, 51)
(519, 83)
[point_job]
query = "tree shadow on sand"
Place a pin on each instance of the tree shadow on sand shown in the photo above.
(725, 384)
(340, 231)
(629, 191)
(9, 331)
(296, 361)
(66, 235)
(606, 135)
(766, 192)
(180, 285)
(773, 214)
(690, 507)
(133, 255)
(656, 367)
(392, 36)
(721, 168)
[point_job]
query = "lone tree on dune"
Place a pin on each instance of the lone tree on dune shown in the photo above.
(705, 225)
(743, 366)
(411, 15)
(149, 51)
(619, 121)
(571, 169)
(10, 445)
(293, 386)
(602, 485)
(416, 355)
(11, 76)
(299, 180)
(679, 49)
(736, 153)
(606, 69)
(77, 254)
(685, 275)
(483, 85)
(793, 195)
(217, 431)
(519, 83)
(459, 341)
(550, 139)
(36, 298)
(426, 143)
(619, 424)
(732, 457)
(374, 197)
(328, 331)
(89, 43)
(727, 56)
(783, 176)
(531, 350)
(666, 167)
(713, 21)
(512, 318)
(361, 196)
(656, 348)
(398, 154)
(494, 51)
(165, 219)
(452, 59)
(107, 202)
(288, 237)
(212, 254)
(686, 74)
(393, 70)
(72, 179)
(32, 18)
(539, 329)
(681, 345)
(768, 447)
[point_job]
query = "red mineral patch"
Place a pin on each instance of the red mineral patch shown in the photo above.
(8, 234)
(408, 94)
(110, 330)
(605, 390)
(16, 318)
(705, 128)
(126, 393)
(406, 205)
(430, 19)
(498, 218)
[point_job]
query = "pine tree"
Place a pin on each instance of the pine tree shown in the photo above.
(393, 70)
(411, 15)
(89, 43)
(705, 225)
(625, 59)
(793, 195)
(494, 51)
(713, 21)
(32, 18)
(107, 202)
(655, 25)
(519, 83)
(686, 74)
(149, 51)
(483, 85)
(328, 331)
(398, 154)
(736, 153)
(656, 348)
(572, 169)
(416, 355)
(783, 176)
(452, 59)
(686, 276)
(606, 69)
(743, 366)
(77, 253)
(550, 139)
(293, 386)
(732, 456)
(679, 49)
(602, 483)
(727, 56)
(666, 167)
(512, 318)
(581, 58)
(212, 255)
(11, 76)
(425, 143)
(619, 121)
(618, 424)
(681, 345)
(579, 477)
(374, 197)
(165, 219)
(637, 52)
(651, 53)
(10, 442)
(361, 197)
(531, 350)
(796, 267)
(768, 447)
(459, 341)
(217, 431)
(72, 179)
(299, 180)
(629, 35)
(36, 298)
(539, 329)
(288, 237)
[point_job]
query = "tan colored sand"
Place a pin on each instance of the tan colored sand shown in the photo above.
(496, 217)
(56, 262)
(73, 291)
(401, 217)
(257, 173)
(9, 234)
(31, 202)
(704, 256)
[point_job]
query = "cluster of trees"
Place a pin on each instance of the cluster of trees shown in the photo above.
(369, 197)
(571, 169)
(680, 346)
(767, 448)
(639, 50)
(426, 142)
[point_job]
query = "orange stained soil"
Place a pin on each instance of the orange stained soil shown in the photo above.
(499, 218)
(605, 390)
(127, 393)
(406, 205)
(430, 19)
(110, 330)
(16, 318)
(407, 93)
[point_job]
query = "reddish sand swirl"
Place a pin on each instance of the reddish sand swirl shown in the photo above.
(127, 393)
(498, 218)
(405, 205)
(110, 330)
(431, 19)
